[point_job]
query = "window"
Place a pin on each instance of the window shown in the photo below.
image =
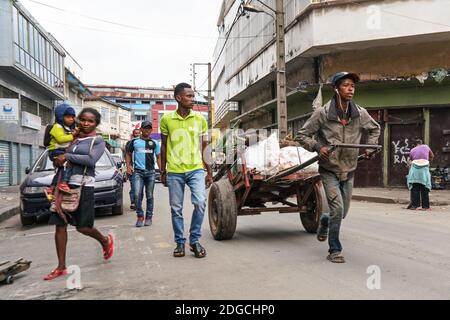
(114, 117)
(46, 115)
(15, 25)
(28, 105)
(140, 118)
(35, 53)
(105, 114)
(7, 94)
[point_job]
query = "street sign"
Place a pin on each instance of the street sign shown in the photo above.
(9, 109)
(30, 120)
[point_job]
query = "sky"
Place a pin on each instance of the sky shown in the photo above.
(150, 43)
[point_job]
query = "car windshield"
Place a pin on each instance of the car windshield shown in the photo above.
(44, 163)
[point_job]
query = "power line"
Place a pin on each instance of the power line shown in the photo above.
(236, 18)
(127, 25)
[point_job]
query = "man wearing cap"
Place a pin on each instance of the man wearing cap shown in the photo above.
(144, 152)
(339, 121)
(136, 134)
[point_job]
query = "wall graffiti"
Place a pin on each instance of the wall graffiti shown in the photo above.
(401, 149)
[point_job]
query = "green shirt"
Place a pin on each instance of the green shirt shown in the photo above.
(183, 151)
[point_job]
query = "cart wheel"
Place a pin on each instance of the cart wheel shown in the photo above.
(9, 280)
(315, 203)
(222, 210)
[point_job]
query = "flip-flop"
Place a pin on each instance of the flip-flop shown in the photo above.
(109, 251)
(55, 274)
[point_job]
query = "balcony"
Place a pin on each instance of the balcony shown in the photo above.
(315, 28)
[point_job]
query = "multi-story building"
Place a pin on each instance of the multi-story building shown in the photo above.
(31, 81)
(74, 89)
(400, 49)
(145, 103)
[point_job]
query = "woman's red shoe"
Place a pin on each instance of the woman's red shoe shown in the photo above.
(109, 251)
(56, 273)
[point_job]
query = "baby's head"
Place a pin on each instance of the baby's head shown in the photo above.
(69, 117)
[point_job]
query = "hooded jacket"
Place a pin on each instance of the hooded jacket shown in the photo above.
(324, 128)
(61, 136)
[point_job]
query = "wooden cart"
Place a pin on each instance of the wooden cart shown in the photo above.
(239, 192)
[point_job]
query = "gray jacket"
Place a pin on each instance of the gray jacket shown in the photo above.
(323, 128)
(80, 155)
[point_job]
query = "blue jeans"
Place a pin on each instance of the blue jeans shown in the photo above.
(144, 178)
(131, 178)
(62, 173)
(339, 194)
(176, 183)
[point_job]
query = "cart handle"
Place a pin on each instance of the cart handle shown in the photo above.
(333, 147)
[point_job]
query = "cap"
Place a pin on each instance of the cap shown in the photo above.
(146, 124)
(344, 75)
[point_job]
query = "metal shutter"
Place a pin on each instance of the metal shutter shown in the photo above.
(15, 164)
(4, 164)
(25, 160)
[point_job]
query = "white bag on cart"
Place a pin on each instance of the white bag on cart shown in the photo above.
(293, 156)
(264, 156)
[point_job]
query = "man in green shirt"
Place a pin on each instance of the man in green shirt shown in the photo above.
(184, 140)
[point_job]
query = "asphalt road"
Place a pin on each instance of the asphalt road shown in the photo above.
(401, 254)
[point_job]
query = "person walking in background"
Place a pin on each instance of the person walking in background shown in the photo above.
(135, 135)
(184, 140)
(419, 177)
(83, 154)
(142, 154)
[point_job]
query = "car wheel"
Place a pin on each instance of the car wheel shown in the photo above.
(27, 221)
(117, 210)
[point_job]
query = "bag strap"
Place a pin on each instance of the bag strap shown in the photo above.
(85, 168)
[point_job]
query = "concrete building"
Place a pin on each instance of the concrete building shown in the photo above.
(74, 89)
(145, 103)
(115, 125)
(400, 49)
(31, 81)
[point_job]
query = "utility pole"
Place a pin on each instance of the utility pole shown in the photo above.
(209, 97)
(281, 71)
(210, 124)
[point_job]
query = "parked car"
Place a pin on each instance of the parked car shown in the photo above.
(34, 204)
(120, 163)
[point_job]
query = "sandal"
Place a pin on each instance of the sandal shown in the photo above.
(336, 257)
(179, 251)
(55, 274)
(198, 250)
(109, 251)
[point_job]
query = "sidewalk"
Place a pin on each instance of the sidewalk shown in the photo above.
(398, 195)
(9, 202)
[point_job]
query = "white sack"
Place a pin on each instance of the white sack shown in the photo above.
(264, 156)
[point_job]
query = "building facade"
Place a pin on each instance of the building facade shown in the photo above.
(31, 81)
(146, 104)
(74, 89)
(400, 49)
